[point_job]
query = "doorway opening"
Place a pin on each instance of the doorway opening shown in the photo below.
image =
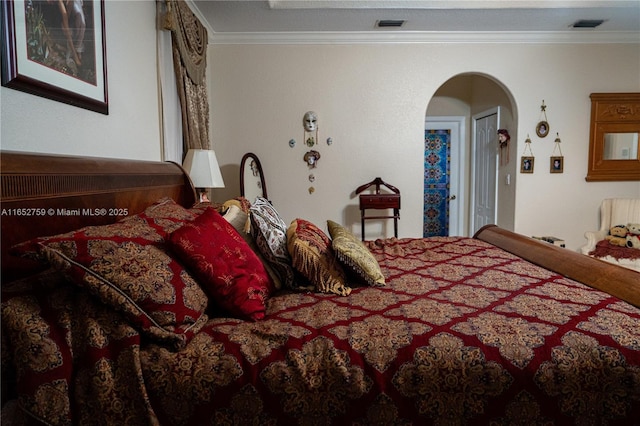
(441, 205)
(477, 179)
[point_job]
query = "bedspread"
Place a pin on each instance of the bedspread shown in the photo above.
(463, 332)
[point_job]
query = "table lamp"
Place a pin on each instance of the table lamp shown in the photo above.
(204, 171)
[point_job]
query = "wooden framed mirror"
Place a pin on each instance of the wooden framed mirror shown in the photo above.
(252, 184)
(614, 143)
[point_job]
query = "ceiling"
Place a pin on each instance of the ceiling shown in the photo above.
(253, 18)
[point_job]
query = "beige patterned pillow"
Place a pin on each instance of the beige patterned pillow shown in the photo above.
(355, 255)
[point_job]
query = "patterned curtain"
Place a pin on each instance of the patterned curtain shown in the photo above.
(189, 38)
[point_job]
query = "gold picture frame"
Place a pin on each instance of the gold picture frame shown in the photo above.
(542, 129)
(556, 164)
(526, 164)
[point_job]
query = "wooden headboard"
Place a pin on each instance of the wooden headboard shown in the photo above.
(46, 194)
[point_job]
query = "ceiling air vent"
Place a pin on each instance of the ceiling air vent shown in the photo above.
(588, 23)
(390, 23)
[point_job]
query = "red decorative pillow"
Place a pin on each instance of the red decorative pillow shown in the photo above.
(224, 264)
(126, 266)
(165, 216)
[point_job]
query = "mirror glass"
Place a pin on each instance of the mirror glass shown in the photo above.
(252, 184)
(620, 146)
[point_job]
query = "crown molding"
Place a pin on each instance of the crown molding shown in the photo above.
(427, 37)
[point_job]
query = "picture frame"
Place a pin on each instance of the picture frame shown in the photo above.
(556, 164)
(526, 164)
(59, 59)
(542, 129)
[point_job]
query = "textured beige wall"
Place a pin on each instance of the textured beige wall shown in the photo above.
(372, 100)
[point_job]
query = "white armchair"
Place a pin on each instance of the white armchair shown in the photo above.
(614, 211)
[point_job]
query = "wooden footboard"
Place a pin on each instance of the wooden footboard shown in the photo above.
(615, 280)
(45, 194)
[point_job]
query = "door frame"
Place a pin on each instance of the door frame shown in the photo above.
(456, 124)
(473, 177)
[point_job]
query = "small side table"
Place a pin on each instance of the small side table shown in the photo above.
(379, 201)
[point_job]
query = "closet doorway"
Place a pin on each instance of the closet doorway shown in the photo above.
(484, 197)
(447, 196)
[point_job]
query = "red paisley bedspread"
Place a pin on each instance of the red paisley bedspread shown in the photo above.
(463, 332)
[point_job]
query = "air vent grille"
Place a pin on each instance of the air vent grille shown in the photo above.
(390, 23)
(588, 23)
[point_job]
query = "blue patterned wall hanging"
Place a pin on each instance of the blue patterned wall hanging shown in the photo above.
(437, 161)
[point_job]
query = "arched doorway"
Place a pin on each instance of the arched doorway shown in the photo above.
(463, 98)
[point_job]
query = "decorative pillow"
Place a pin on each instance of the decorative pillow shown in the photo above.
(239, 220)
(353, 254)
(313, 257)
(270, 233)
(165, 216)
(230, 272)
(125, 265)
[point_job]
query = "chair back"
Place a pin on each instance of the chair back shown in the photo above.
(619, 211)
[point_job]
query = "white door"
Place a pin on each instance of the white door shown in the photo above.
(456, 189)
(485, 169)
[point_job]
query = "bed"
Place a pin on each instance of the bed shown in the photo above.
(494, 329)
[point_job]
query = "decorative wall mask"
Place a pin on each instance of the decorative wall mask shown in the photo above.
(503, 141)
(310, 124)
(311, 158)
(310, 121)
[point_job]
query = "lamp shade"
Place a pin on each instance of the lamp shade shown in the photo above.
(202, 167)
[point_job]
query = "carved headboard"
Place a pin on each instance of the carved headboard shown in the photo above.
(46, 194)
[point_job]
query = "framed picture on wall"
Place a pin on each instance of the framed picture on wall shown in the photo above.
(542, 129)
(56, 49)
(526, 164)
(556, 165)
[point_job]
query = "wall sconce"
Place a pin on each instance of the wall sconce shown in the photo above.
(202, 167)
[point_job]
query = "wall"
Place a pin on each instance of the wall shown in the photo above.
(372, 100)
(131, 130)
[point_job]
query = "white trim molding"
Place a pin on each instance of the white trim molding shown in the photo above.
(427, 37)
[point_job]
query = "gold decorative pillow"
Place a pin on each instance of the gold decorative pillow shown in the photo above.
(312, 256)
(352, 253)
